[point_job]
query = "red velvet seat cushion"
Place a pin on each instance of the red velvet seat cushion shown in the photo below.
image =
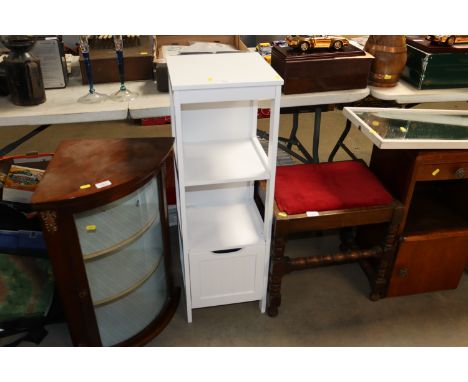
(327, 186)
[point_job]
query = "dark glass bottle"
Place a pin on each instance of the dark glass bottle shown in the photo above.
(23, 72)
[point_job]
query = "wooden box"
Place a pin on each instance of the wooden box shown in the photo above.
(432, 66)
(160, 41)
(138, 61)
(321, 71)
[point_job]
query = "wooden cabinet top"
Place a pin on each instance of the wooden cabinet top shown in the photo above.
(87, 173)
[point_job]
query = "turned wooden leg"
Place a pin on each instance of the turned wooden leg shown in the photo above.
(278, 268)
(386, 259)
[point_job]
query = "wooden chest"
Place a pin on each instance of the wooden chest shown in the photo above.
(321, 71)
(435, 66)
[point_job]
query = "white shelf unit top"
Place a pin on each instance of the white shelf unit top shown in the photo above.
(226, 70)
(224, 226)
(215, 162)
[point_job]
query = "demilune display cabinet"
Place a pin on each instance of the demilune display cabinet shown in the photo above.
(224, 239)
(104, 213)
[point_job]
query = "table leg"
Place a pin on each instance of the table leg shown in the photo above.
(286, 144)
(10, 147)
(292, 136)
(316, 139)
(340, 141)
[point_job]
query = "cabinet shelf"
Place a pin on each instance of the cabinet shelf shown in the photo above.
(129, 290)
(126, 316)
(115, 247)
(224, 226)
(115, 275)
(117, 223)
(215, 162)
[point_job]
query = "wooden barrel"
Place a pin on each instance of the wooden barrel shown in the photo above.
(390, 59)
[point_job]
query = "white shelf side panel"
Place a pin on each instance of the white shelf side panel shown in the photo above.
(224, 161)
(224, 226)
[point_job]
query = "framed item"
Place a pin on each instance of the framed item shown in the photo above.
(412, 129)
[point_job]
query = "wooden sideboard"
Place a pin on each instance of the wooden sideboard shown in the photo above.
(433, 187)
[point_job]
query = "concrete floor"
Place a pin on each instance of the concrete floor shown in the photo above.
(321, 307)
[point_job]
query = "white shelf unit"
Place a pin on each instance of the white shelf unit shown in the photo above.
(224, 241)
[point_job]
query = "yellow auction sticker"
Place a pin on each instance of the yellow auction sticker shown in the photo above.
(91, 228)
(85, 186)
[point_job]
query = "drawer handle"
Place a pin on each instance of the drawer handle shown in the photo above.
(460, 173)
(228, 250)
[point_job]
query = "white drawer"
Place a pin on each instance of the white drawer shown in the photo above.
(228, 277)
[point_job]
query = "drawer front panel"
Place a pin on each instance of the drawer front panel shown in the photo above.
(226, 278)
(428, 264)
(442, 171)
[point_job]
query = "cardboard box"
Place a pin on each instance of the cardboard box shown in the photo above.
(432, 66)
(323, 70)
(161, 74)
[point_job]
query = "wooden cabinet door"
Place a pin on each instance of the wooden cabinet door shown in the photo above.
(430, 262)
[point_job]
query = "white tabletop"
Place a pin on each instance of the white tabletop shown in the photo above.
(210, 71)
(152, 103)
(61, 106)
(404, 93)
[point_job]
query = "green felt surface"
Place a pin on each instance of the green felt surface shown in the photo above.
(26, 286)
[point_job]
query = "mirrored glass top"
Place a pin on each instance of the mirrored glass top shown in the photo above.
(406, 125)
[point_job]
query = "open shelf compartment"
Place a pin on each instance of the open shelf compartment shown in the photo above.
(224, 226)
(215, 162)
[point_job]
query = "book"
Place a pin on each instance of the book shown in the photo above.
(20, 183)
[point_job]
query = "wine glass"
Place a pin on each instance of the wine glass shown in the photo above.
(123, 94)
(92, 96)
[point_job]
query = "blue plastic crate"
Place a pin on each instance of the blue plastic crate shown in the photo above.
(19, 242)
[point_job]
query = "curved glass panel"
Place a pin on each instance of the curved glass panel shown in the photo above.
(124, 318)
(114, 275)
(104, 229)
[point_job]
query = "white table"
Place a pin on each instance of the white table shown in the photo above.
(404, 93)
(61, 106)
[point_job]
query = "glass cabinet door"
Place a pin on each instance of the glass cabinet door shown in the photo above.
(123, 252)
